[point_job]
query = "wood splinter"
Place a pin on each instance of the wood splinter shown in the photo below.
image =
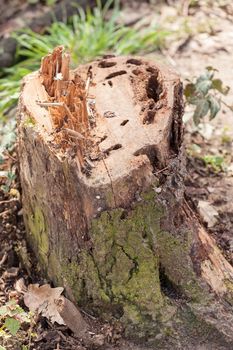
(67, 98)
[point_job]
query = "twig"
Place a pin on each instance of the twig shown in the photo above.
(3, 259)
(74, 133)
(87, 84)
(227, 105)
(50, 104)
(161, 170)
(5, 212)
(9, 200)
(89, 315)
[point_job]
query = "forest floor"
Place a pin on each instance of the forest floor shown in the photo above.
(206, 40)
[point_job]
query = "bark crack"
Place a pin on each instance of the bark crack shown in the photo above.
(111, 183)
(135, 267)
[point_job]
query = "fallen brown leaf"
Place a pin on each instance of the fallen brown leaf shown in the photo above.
(42, 299)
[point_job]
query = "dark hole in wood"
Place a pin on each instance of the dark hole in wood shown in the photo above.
(168, 287)
(113, 148)
(149, 117)
(176, 134)
(115, 74)
(124, 122)
(103, 138)
(106, 64)
(144, 234)
(151, 105)
(152, 70)
(151, 153)
(153, 88)
(124, 215)
(136, 71)
(134, 61)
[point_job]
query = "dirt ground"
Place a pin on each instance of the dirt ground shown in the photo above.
(205, 39)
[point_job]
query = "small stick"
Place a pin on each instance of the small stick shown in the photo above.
(9, 200)
(5, 212)
(2, 261)
(68, 111)
(90, 163)
(50, 104)
(87, 84)
(161, 170)
(74, 133)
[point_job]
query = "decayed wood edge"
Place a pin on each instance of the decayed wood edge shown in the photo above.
(216, 271)
(213, 267)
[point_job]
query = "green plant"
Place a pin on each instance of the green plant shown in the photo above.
(51, 2)
(7, 141)
(12, 317)
(216, 162)
(87, 35)
(226, 138)
(205, 94)
(10, 177)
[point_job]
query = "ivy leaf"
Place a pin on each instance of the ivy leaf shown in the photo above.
(214, 106)
(211, 69)
(189, 90)
(3, 311)
(11, 176)
(12, 325)
(217, 84)
(200, 111)
(202, 77)
(204, 86)
(5, 188)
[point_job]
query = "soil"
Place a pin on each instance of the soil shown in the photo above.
(188, 55)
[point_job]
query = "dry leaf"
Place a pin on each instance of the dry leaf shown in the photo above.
(20, 286)
(42, 299)
(208, 213)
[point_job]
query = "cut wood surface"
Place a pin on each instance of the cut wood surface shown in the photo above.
(102, 170)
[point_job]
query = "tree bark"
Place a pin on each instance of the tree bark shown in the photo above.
(102, 170)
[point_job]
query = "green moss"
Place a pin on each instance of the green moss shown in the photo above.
(175, 258)
(29, 122)
(38, 230)
(229, 293)
(123, 268)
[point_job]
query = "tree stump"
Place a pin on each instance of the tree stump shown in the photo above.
(102, 170)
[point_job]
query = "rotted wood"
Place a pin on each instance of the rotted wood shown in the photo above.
(102, 170)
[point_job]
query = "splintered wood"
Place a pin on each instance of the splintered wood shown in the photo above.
(66, 103)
